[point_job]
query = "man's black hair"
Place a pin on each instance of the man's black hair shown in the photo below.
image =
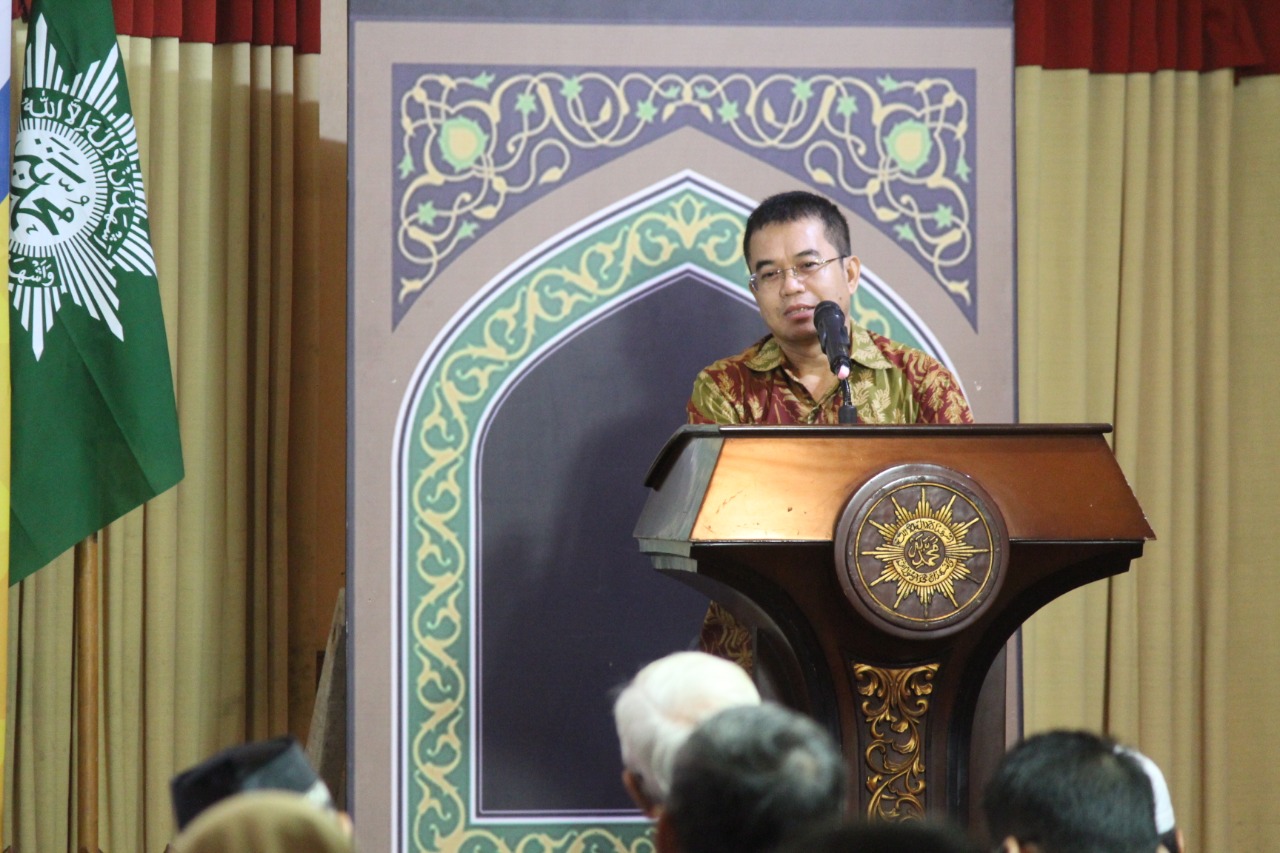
(748, 778)
(792, 207)
(1071, 792)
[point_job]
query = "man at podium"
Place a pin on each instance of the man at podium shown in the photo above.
(797, 248)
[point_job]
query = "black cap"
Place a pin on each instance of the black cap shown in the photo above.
(276, 764)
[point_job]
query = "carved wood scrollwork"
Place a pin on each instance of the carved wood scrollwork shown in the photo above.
(894, 715)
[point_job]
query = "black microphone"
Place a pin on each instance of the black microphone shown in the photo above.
(833, 336)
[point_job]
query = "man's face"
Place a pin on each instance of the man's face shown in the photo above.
(787, 305)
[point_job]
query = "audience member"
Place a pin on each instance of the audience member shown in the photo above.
(913, 836)
(265, 822)
(748, 779)
(276, 764)
(1070, 792)
(660, 707)
(1170, 836)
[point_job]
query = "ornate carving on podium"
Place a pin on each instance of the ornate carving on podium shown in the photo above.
(894, 717)
(920, 548)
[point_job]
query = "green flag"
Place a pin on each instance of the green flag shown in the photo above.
(95, 428)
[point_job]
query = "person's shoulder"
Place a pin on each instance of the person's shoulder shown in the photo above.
(762, 355)
(723, 391)
(934, 386)
(904, 355)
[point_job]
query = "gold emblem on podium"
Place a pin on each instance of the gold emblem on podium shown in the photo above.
(920, 548)
(924, 551)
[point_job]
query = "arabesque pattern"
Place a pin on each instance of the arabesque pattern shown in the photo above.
(894, 713)
(489, 350)
(476, 144)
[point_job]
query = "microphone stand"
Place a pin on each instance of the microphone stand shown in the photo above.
(848, 413)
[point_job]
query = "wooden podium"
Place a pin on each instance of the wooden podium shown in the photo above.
(884, 568)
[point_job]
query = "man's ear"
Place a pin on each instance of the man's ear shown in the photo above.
(631, 782)
(853, 269)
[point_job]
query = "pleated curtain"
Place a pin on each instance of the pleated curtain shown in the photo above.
(1148, 219)
(196, 584)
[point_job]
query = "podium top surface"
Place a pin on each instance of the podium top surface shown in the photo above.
(745, 483)
(691, 432)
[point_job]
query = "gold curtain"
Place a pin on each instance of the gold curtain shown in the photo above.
(1148, 298)
(196, 585)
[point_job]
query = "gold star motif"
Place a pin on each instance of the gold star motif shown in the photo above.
(924, 551)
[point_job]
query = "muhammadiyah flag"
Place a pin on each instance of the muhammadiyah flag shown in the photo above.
(95, 427)
(4, 399)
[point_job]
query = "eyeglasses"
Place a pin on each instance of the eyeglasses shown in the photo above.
(801, 271)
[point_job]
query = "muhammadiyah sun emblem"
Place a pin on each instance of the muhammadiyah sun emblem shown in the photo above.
(78, 211)
(924, 550)
(920, 548)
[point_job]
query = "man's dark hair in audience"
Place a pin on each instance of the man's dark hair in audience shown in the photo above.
(861, 836)
(749, 778)
(1070, 792)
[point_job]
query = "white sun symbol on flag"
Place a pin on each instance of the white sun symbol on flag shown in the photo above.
(79, 212)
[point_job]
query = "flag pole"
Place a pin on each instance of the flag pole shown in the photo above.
(86, 593)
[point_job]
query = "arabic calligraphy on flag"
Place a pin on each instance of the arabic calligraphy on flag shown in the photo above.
(95, 426)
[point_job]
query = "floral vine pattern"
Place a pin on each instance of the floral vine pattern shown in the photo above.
(894, 712)
(525, 316)
(475, 144)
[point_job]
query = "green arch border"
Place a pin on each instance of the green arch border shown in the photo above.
(458, 384)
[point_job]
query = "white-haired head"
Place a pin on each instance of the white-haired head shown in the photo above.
(656, 712)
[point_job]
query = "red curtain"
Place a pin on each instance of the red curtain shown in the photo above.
(294, 23)
(1116, 36)
(1123, 36)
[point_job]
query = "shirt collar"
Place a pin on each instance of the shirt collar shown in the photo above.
(864, 350)
(768, 355)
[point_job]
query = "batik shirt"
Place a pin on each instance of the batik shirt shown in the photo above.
(891, 383)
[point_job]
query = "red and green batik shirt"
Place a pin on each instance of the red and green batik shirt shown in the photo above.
(891, 383)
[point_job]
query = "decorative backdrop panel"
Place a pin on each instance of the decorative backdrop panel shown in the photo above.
(546, 225)
(478, 144)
